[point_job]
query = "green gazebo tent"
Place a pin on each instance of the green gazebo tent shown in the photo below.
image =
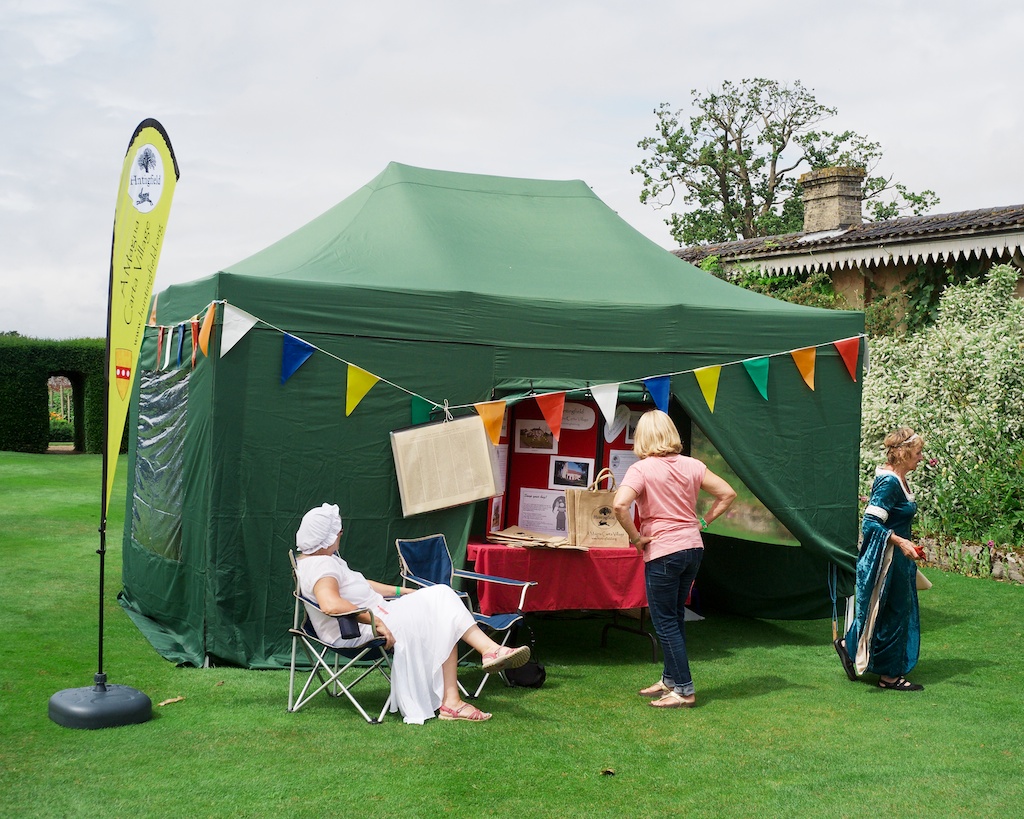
(458, 288)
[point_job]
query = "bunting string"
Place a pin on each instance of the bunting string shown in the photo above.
(361, 380)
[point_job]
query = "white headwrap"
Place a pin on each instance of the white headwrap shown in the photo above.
(318, 529)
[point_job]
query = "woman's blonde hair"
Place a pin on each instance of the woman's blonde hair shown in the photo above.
(655, 434)
(901, 445)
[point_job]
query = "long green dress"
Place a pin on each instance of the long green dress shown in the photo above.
(885, 636)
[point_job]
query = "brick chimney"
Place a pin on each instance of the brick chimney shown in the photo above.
(832, 198)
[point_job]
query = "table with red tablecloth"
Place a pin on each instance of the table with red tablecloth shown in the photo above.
(567, 579)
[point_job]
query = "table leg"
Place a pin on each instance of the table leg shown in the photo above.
(632, 630)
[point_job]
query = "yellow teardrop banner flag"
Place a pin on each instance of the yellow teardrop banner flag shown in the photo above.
(204, 334)
(804, 360)
(148, 179)
(492, 413)
(707, 378)
(360, 382)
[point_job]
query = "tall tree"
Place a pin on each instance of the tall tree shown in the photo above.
(737, 162)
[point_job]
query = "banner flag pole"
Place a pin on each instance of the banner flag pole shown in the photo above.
(148, 178)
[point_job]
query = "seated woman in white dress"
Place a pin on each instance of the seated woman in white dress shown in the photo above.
(423, 626)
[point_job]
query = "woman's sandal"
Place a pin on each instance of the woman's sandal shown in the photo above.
(844, 658)
(674, 700)
(505, 657)
(473, 715)
(659, 689)
(900, 684)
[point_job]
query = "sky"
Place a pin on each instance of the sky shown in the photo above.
(277, 111)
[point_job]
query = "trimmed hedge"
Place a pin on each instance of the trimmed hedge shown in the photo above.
(25, 366)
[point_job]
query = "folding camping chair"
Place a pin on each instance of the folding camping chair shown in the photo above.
(334, 669)
(426, 561)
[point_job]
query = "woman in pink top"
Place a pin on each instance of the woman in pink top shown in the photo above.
(665, 485)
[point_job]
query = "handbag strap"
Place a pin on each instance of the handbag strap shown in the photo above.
(604, 474)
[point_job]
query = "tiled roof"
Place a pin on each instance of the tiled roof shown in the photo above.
(905, 229)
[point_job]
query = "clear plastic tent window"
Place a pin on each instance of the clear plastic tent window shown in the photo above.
(159, 466)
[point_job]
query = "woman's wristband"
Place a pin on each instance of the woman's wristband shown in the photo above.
(703, 523)
(398, 591)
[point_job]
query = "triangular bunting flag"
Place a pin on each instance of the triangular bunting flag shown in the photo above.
(159, 344)
(204, 334)
(195, 340)
(167, 349)
(658, 386)
(360, 382)
(757, 369)
(492, 413)
(181, 341)
(606, 396)
(552, 405)
(848, 349)
(236, 324)
(419, 410)
(805, 363)
(294, 353)
(707, 378)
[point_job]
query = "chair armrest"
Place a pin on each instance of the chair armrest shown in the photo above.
(419, 581)
(347, 622)
(523, 585)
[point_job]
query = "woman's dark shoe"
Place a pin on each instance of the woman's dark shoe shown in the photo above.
(844, 658)
(900, 684)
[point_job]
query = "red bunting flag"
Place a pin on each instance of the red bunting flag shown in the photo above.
(849, 348)
(195, 340)
(552, 405)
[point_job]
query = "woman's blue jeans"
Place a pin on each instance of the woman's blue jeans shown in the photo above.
(668, 581)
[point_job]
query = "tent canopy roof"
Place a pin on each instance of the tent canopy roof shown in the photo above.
(468, 252)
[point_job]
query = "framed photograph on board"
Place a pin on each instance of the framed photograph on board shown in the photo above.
(570, 473)
(534, 436)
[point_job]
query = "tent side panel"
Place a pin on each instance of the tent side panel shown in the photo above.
(277, 450)
(163, 576)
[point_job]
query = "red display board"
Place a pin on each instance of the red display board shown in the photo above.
(539, 468)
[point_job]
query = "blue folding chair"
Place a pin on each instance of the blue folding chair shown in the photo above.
(335, 670)
(426, 561)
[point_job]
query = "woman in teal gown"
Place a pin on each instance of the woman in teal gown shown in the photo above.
(885, 635)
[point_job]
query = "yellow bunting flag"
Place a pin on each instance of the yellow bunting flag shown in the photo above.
(492, 413)
(204, 334)
(707, 378)
(148, 178)
(804, 360)
(360, 382)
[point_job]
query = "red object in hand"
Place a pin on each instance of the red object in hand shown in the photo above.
(920, 551)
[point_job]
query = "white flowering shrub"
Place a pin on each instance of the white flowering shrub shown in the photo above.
(960, 384)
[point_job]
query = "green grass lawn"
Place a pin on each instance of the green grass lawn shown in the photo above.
(779, 731)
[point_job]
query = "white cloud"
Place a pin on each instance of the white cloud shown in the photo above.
(278, 111)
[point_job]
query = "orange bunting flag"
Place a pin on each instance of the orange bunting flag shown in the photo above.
(707, 378)
(204, 334)
(552, 405)
(492, 413)
(849, 348)
(360, 382)
(804, 360)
